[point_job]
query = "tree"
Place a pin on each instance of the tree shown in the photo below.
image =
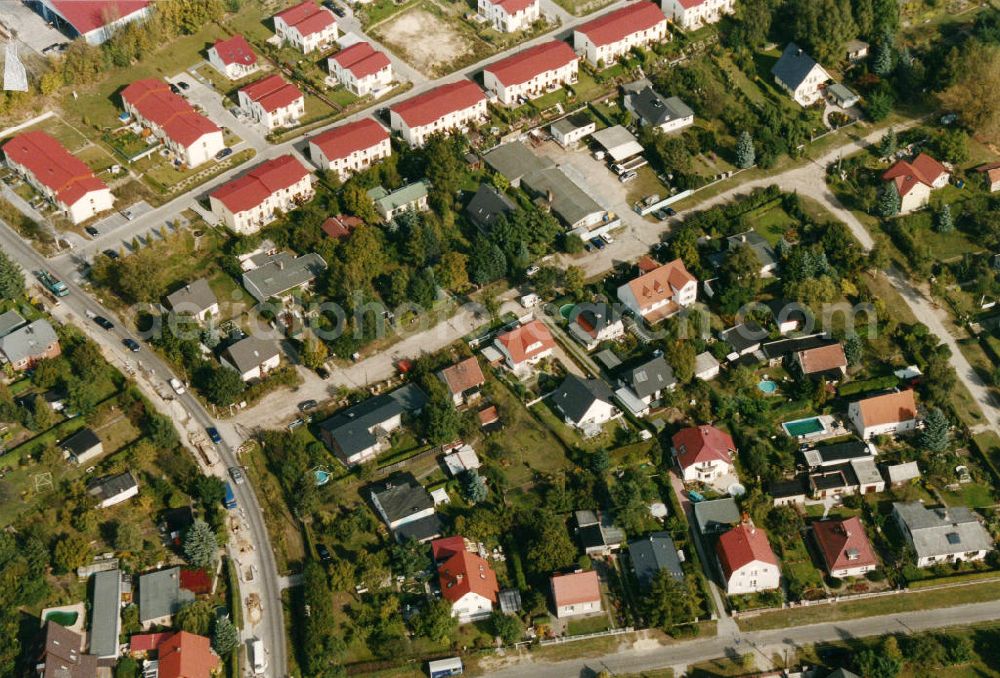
(821, 26)
(226, 637)
(423, 288)
(409, 558)
(548, 546)
(473, 486)
(952, 145)
(507, 626)
(879, 105)
(444, 164)
(82, 395)
(128, 539)
(126, 668)
(441, 420)
(195, 617)
(680, 355)
(669, 602)
(487, 262)
(943, 221)
(853, 350)
(435, 621)
(739, 278)
(882, 59)
(70, 552)
(161, 431)
(875, 664)
(888, 201)
(975, 92)
(355, 200)
(936, 435)
(574, 281)
(223, 385)
(452, 271)
(200, 544)
(888, 144)
(11, 278)
(322, 648)
(745, 154)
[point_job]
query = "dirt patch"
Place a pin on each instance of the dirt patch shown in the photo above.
(429, 43)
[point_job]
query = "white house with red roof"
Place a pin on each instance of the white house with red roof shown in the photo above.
(451, 107)
(703, 453)
(660, 293)
(747, 560)
(526, 345)
(306, 26)
(234, 57)
(65, 180)
(888, 414)
(361, 68)
(350, 148)
(845, 547)
(467, 580)
(532, 72)
(576, 594)
(273, 102)
(190, 135)
(94, 20)
(510, 16)
(914, 180)
(693, 14)
(606, 38)
(251, 202)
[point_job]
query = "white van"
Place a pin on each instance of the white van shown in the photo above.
(255, 648)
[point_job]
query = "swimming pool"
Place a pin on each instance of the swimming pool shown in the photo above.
(63, 617)
(803, 428)
(566, 310)
(322, 476)
(767, 386)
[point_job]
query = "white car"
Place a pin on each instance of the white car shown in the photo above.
(178, 387)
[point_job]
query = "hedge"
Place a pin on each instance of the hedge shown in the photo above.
(876, 384)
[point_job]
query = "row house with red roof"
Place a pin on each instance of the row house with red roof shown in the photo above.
(273, 102)
(606, 38)
(660, 293)
(510, 16)
(447, 108)
(350, 148)
(361, 68)
(748, 563)
(247, 204)
(914, 180)
(234, 57)
(306, 26)
(532, 72)
(467, 580)
(693, 14)
(190, 135)
(65, 180)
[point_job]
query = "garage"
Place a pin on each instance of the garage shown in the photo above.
(618, 143)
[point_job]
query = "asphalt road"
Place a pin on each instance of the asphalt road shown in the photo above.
(154, 375)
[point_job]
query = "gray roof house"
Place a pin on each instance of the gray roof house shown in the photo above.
(716, 516)
(592, 323)
(650, 379)
(569, 130)
(488, 205)
(407, 508)
(161, 596)
(390, 203)
(652, 554)
(585, 403)
(655, 110)
(114, 489)
(760, 246)
(29, 343)
(942, 535)
(252, 357)
(515, 161)
(83, 446)
(902, 473)
(105, 614)
(10, 321)
(569, 202)
(360, 432)
(196, 299)
(597, 532)
(282, 274)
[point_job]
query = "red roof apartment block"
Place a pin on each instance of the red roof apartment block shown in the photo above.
(617, 25)
(341, 142)
(466, 572)
(532, 62)
(425, 108)
(527, 341)
(361, 59)
(307, 17)
(235, 50)
(700, 444)
(844, 544)
(923, 170)
(89, 15)
(68, 177)
(741, 546)
(186, 655)
(340, 226)
(253, 188)
(272, 93)
(154, 101)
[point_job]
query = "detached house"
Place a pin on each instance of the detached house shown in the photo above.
(915, 180)
(799, 75)
(407, 508)
(247, 204)
(593, 323)
(891, 414)
(660, 293)
(25, 346)
(61, 654)
(66, 181)
(234, 57)
(467, 582)
(273, 102)
(112, 490)
(510, 16)
(576, 594)
(667, 114)
(186, 655)
(693, 14)
(845, 547)
(606, 38)
(525, 346)
(282, 274)
(825, 361)
(532, 72)
(252, 357)
(944, 535)
(748, 563)
(161, 596)
(409, 198)
(362, 431)
(306, 26)
(361, 68)
(703, 453)
(190, 135)
(643, 386)
(463, 380)
(350, 148)
(82, 446)
(585, 403)
(447, 108)
(195, 299)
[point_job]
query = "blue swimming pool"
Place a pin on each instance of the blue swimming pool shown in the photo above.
(804, 428)
(767, 386)
(322, 476)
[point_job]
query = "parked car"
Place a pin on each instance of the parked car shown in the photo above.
(131, 344)
(213, 434)
(660, 215)
(175, 89)
(307, 405)
(183, 85)
(223, 153)
(110, 254)
(323, 552)
(607, 238)
(178, 387)
(627, 177)
(532, 270)
(104, 322)
(236, 474)
(598, 243)
(671, 211)
(339, 11)
(91, 231)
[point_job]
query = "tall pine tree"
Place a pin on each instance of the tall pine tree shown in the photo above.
(745, 154)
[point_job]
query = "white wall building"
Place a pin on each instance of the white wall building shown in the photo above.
(604, 39)
(510, 16)
(531, 72)
(888, 414)
(306, 26)
(798, 74)
(350, 148)
(233, 58)
(748, 563)
(247, 204)
(452, 107)
(693, 14)
(361, 68)
(273, 102)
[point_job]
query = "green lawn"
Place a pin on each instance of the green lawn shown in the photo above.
(771, 222)
(60, 131)
(579, 627)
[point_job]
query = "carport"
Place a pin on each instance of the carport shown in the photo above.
(618, 142)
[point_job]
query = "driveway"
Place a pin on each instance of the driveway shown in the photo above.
(29, 27)
(217, 108)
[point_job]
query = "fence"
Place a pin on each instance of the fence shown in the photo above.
(587, 636)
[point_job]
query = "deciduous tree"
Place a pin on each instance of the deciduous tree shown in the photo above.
(11, 278)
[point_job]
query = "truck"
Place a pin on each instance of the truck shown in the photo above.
(52, 284)
(230, 499)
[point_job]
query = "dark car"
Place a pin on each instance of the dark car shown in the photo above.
(307, 405)
(223, 153)
(131, 344)
(323, 373)
(104, 322)
(671, 211)
(213, 434)
(183, 85)
(323, 551)
(598, 243)
(110, 254)
(660, 215)
(339, 11)
(175, 89)
(91, 231)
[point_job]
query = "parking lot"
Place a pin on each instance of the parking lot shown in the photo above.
(29, 27)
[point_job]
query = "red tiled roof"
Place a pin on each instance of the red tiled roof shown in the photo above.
(659, 284)
(307, 17)
(235, 50)
(272, 93)
(616, 25)
(518, 340)
(186, 655)
(88, 15)
(576, 588)
(923, 170)
(341, 142)
(340, 226)
(697, 444)
(253, 188)
(836, 538)
(823, 358)
(647, 263)
(527, 64)
(53, 166)
(688, 4)
(742, 545)
(463, 375)
(147, 642)
(196, 581)
(361, 59)
(489, 415)
(155, 102)
(425, 108)
(446, 547)
(466, 572)
(512, 7)
(890, 408)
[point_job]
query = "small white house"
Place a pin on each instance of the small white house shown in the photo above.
(273, 102)
(233, 58)
(576, 594)
(252, 357)
(570, 130)
(112, 490)
(798, 74)
(306, 26)
(510, 16)
(889, 414)
(361, 69)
